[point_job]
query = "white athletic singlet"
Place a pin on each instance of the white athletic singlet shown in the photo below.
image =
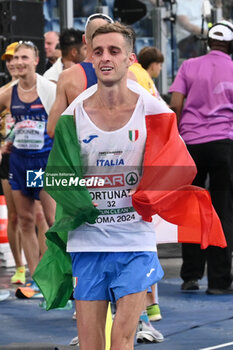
(115, 156)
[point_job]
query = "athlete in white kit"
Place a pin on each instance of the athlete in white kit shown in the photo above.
(115, 258)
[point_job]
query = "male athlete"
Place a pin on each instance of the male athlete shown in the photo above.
(29, 101)
(78, 78)
(119, 131)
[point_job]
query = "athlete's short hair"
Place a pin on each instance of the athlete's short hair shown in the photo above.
(70, 38)
(126, 31)
(28, 45)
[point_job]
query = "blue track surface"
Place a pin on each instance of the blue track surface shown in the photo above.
(191, 321)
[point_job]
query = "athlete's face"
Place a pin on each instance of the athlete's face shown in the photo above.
(25, 61)
(111, 57)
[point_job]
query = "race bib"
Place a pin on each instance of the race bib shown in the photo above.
(114, 200)
(29, 134)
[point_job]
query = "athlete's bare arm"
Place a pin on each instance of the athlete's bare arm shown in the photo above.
(70, 84)
(5, 98)
(58, 107)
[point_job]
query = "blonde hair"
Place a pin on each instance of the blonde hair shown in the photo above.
(28, 45)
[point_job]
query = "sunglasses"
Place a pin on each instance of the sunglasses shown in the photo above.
(29, 44)
(97, 16)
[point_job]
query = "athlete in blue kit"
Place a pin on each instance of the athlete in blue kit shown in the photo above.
(29, 101)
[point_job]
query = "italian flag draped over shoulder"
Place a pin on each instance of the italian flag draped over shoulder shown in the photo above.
(164, 193)
(165, 190)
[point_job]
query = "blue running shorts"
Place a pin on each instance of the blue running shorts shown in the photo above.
(19, 164)
(112, 275)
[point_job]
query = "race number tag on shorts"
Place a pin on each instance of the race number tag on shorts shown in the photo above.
(29, 134)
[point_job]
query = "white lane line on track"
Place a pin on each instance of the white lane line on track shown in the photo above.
(218, 346)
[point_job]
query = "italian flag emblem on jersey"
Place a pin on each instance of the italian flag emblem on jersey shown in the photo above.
(133, 135)
(75, 282)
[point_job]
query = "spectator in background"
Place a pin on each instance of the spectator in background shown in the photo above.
(227, 8)
(73, 51)
(57, 52)
(138, 73)
(189, 24)
(151, 60)
(205, 121)
(51, 39)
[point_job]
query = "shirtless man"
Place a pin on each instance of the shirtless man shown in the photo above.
(76, 79)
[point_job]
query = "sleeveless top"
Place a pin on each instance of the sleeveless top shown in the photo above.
(116, 157)
(89, 73)
(30, 131)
